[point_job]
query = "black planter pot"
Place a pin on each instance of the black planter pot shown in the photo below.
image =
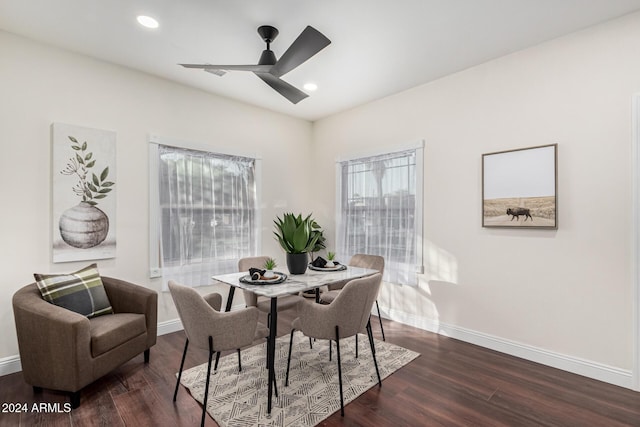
(297, 263)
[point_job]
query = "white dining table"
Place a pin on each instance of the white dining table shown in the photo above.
(294, 283)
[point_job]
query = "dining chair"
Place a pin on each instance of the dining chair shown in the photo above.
(209, 329)
(262, 303)
(346, 316)
(373, 262)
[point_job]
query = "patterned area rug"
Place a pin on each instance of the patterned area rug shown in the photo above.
(240, 398)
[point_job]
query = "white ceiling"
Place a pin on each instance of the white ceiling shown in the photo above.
(378, 47)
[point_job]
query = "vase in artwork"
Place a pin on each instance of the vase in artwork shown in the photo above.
(83, 226)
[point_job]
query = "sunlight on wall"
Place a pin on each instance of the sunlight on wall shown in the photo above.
(416, 305)
(439, 264)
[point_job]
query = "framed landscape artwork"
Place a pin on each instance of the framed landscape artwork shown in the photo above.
(84, 201)
(519, 188)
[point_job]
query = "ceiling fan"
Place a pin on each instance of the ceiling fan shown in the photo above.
(270, 69)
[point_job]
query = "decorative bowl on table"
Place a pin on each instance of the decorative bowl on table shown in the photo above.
(259, 277)
(338, 267)
(320, 264)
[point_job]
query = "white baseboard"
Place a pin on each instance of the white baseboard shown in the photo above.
(586, 368)
(169, 326)
(10, 365)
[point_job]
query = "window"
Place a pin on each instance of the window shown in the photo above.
(206, 213)
(380, 211)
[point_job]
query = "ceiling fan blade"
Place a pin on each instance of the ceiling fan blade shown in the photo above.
(290, 92)
(254, 68)
(308, 43)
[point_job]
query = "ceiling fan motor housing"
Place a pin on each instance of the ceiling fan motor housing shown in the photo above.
(267, 57)
(268, 34)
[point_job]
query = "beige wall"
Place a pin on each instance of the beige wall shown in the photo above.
(567, 291)
(41, 85)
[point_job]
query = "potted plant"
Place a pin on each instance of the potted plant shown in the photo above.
(321, 242)
(330, 257)
(269, 265)
(85, 225)
(295, 235)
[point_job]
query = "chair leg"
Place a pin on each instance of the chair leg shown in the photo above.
(206, 385)
(286, 382)
(239, 361)
(356, 346)
(184, 355)
(275, 386)
(330, 350)
(75, 399)
(370, 333)
(373, 351)
(380, 320)
(215, 368)
(310, 343)
(147, 353)
(339, 370)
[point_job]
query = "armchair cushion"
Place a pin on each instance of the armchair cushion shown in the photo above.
(81, 291)
(108, 332)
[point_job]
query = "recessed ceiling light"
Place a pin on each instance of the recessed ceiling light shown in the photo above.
(147, 21)
(310, 86)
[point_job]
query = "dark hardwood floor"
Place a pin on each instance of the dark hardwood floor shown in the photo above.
(452, 383)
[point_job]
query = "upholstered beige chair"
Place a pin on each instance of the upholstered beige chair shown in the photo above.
(373, 262)
(264, 304)
(64, 350)
(346, 316)
(209, 329)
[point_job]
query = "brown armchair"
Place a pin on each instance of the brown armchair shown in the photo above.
(64, 350)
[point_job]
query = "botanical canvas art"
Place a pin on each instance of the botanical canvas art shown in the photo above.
(519, 188)
(84, 202)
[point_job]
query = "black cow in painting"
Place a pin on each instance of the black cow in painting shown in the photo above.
(517, 212)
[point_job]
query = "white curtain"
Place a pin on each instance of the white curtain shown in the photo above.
(207, 213)
(377, 212)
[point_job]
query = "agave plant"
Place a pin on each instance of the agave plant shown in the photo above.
(295, 234)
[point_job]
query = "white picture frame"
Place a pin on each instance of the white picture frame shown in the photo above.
(83, 193)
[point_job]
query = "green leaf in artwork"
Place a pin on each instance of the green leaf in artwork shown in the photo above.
(90, 186)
